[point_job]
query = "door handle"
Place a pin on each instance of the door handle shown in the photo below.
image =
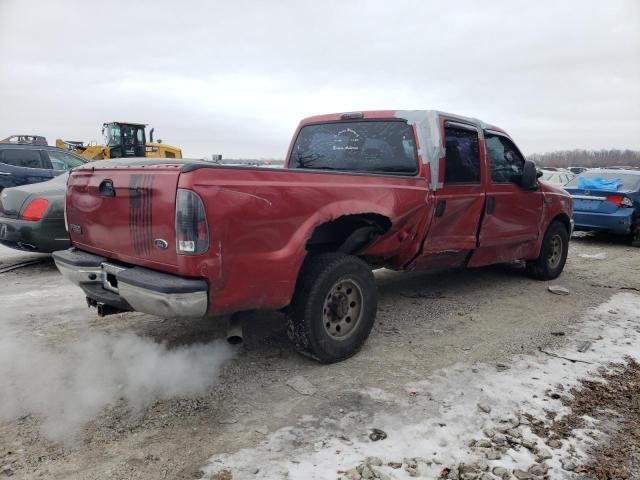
(106, 189)
(491, 205)
(440, 207)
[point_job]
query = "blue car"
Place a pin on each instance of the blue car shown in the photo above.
(607, 200)
(33, 163)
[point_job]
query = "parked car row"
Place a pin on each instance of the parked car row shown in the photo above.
(607, 200)
(32, 216)
(557, 177)
(33, 181)
(403, 190)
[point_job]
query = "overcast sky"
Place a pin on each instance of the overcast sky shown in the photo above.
(235, 77)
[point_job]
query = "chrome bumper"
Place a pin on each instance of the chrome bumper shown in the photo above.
(133, 288)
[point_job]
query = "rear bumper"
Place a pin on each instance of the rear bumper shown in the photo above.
(619, 221)
(133, 288)
(46, 235)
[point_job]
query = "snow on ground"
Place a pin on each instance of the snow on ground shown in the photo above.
(594, 256)
(436, 417)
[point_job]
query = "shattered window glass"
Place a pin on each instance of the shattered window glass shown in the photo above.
(506, 161)
(365, 146)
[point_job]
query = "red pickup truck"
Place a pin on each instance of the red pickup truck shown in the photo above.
(404, 190)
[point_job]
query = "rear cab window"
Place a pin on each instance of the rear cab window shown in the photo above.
(25, 158)
(372, 146)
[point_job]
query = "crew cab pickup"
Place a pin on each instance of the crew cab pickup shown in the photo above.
(403, 190)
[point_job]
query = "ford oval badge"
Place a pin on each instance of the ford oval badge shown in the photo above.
(160, 243)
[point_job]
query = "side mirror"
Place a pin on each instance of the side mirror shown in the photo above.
(540, 173)
(529, 175)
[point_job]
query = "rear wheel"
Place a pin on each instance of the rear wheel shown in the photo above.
(333, 308)
(553, 253)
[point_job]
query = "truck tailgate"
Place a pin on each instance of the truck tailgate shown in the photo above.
(125, 213)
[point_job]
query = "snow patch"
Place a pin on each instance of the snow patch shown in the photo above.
(594, 256)
(442, 417)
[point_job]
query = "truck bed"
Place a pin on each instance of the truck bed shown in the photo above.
(259, 221)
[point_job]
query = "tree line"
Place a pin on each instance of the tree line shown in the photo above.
(587, 158)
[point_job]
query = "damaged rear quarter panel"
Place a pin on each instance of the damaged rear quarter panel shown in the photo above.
(260, 220)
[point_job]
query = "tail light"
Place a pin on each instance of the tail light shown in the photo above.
(620, 200)
(35, 210)
(192, 232)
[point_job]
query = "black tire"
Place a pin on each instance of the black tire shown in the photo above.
(333, 307)
(553, 253)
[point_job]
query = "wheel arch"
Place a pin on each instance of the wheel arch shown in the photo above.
(349, 233)
(562, 218)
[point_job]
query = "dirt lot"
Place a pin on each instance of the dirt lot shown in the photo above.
(427, 323)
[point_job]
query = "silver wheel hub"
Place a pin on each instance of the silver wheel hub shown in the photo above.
(342, 309)
(555, 251)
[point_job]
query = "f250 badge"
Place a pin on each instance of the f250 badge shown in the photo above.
(161, 243)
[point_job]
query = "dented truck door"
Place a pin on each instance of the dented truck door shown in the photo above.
(513, 215)
(459, 201)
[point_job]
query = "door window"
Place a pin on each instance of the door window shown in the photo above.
(21, 158)
(462, 161)
(506, 161)
(64, 161)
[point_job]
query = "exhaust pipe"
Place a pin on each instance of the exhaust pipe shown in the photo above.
(104, 310)
(234, 329)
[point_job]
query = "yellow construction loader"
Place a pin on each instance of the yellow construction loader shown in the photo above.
(122, 139)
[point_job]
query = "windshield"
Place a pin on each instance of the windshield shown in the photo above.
(112, 135)
(132, 135)
(629, 181)
(129, 135)
(365, 146)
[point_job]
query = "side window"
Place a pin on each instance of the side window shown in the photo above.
(21, 158)
(506, 161)
(462, 161)
(63, 161)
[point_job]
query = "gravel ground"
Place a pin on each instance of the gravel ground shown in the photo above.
(614, 400)
(425, 322)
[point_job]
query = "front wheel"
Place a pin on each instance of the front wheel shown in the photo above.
(553, 253)
(333, 308)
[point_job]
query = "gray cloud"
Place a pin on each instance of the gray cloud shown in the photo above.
(236, 77)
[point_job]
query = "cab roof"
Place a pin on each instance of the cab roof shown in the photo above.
(427, 125)
(127, 123)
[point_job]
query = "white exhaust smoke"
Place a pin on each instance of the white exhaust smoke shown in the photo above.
(65, 389)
